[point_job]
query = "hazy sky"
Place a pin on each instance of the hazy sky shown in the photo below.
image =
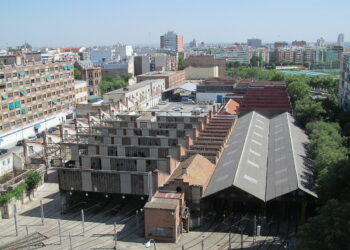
(105, 22)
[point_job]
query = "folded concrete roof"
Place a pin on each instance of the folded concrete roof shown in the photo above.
(265, 158)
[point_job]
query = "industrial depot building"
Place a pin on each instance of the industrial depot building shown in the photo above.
(186, 164)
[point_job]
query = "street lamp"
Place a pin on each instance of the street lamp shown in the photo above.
(148, 244)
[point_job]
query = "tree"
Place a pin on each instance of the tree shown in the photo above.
(125, 76)
(330, 229)
(181, 63)
(77, 74)
(256, 61)
(298, 90)
(307, 110)
(109, 83)
(335, 184)
(331, 105)
(326, 146)
(33, 179)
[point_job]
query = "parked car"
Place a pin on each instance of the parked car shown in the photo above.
(162, 102)
(52, 129)
(179, 106)
(3, 151)
(19, 143)
(32, 138)
(155, 107)
(176, 109)
(197, 111)
(39, 135)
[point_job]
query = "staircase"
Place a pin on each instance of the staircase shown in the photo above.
(211, 139)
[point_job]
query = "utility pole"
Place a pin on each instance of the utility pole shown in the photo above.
(137, 222)
(42, 212)
(241, 237)
(15, 217)
(59, 231)
(70, 241)
(254, 228)
(115, 236)
(229, 240)
(82, 221)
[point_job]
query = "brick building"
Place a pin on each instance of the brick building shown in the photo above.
(163, 216)
(81, 91)
(91, 74)
(172, 78)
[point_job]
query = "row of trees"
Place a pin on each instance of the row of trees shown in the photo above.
(326, 126)
(329, 84)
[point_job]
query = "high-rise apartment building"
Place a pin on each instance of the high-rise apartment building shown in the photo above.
(340, 41)
(172, 41)
(262, 52)
(34, 96)
(254, 42)
(231, 54)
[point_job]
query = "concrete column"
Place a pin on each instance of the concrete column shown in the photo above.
(86, 181)
(105, 163)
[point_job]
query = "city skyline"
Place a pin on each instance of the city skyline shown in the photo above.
(83, 23)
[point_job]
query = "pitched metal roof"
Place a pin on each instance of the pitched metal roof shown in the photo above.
(264, 157)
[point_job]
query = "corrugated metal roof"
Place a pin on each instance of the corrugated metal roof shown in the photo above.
(265, 158)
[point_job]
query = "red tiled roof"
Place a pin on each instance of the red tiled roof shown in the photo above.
(266, 98)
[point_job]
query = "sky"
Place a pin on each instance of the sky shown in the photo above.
(54, 23)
